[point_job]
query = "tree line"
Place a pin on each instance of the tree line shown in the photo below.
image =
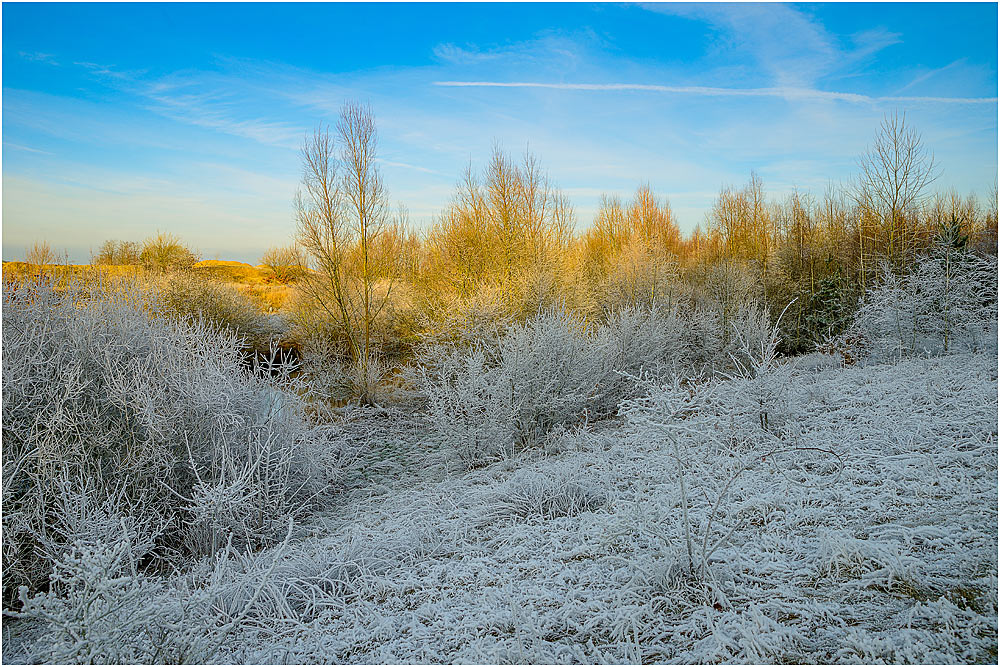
(506, 245)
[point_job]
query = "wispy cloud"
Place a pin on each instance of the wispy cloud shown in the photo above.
(869, 42)
(934, 72)
(182, 97)
(28, 149)
(404, 165)
(210, 112)
(452, 53)
(785, 43)
(110, 71)
(38, 57)
(551, 49)
(787, 93)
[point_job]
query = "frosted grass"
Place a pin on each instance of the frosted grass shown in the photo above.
(878, 545)
(792, 512)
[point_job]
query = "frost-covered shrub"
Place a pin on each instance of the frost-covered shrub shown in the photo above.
(112, 412)
(553, 370)
(462, 320)
(470, 402)
(508, 391)
(728, 288)
(758, 391)
(735, 425)
(221, 306)
(659, 343)
(752, 339)
(562, 491)
(946, 304)
(330, 373)
(99, 610)
(511, 389)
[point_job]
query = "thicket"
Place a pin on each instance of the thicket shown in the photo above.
(161, 253)
(120, 419)
(504, 249)
(114, 252)
(512, 388)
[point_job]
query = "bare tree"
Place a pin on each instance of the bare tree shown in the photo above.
(894, 173)
(165, 252)
(117, 253)
(321, 231)
(507, 228)
(368, 212)
(285, 262)
(40, 253)
(344, 222)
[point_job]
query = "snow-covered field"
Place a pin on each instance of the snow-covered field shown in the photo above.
(833, 515)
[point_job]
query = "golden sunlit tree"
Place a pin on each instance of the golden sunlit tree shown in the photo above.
(631, 253)
(40, 253)
(165, 252)
(894, 173)
(118, 253)
(285, 262)
(346, 225)
(508, 229)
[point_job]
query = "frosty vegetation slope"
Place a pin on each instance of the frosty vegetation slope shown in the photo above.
(832, 515)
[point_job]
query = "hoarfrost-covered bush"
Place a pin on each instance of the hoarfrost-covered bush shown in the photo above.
(660, 343)
(946, 304)
(561, 491)
(470, 403)
(100, 609)
(755, 408)
(553, 370)
(332, 375)
(221, 306)
(510, 390)
(108, 405)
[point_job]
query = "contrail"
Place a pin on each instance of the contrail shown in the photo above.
(784, 93)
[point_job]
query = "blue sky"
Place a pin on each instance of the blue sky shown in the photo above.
(120, 120)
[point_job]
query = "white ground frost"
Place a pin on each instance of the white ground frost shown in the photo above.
(835, 515)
